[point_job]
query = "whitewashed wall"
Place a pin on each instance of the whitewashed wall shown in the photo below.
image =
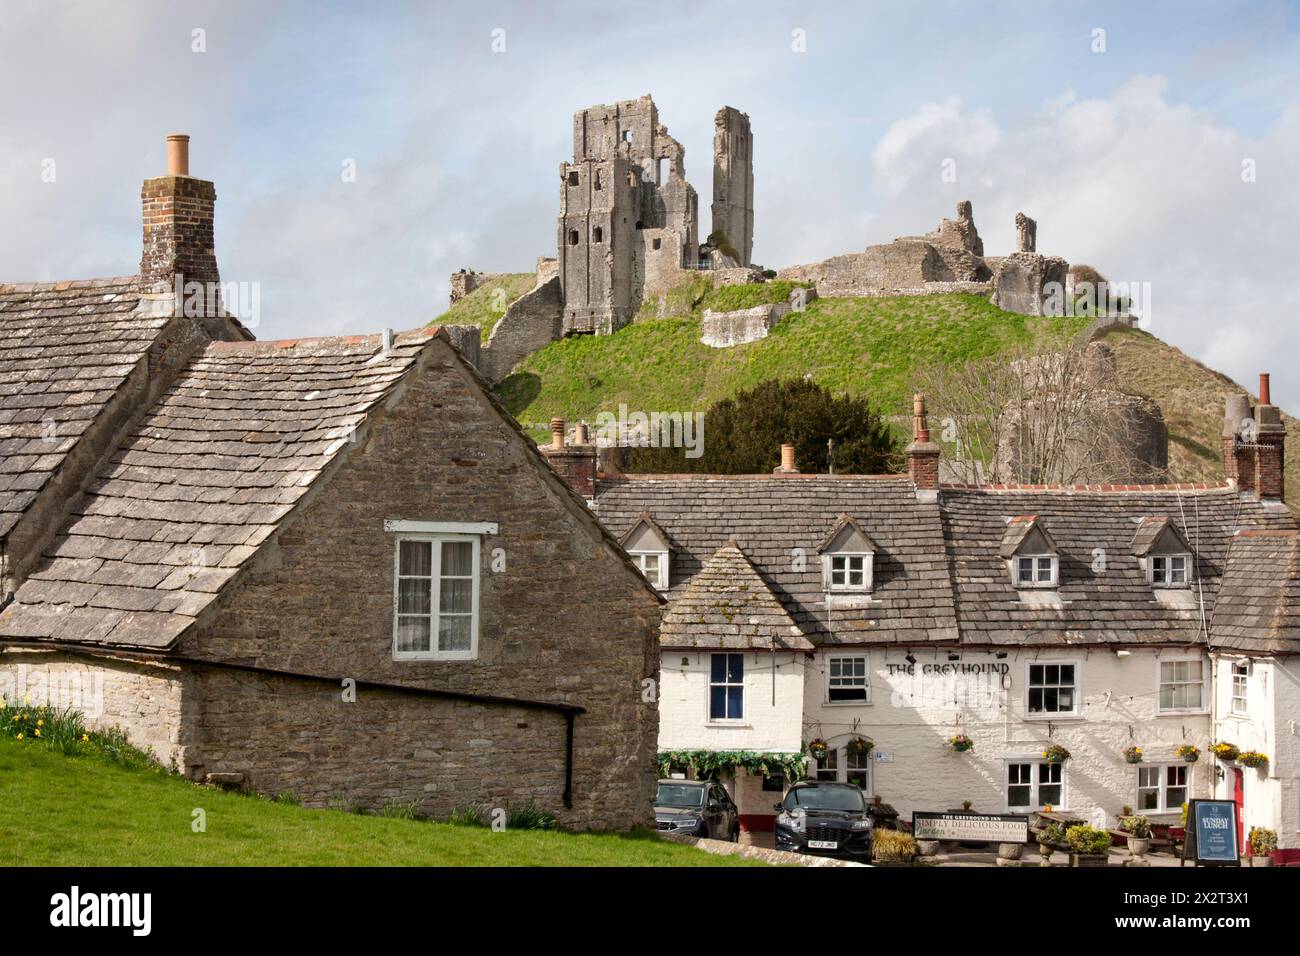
(684, 704)
(910, 718)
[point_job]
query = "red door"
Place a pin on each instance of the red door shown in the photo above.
(1239, 795)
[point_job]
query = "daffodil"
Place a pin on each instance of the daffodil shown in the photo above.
(20, 735)
(37, 731)
(40, 723)
(85, 738)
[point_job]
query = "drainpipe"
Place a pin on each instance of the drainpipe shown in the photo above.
(568, 760)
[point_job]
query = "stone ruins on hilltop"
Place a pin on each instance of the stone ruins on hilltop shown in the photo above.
(628, 229)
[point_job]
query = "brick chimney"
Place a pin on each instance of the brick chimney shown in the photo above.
(1270, 439)
(1238, 459)
(922, 454)
(787, 466)
(177, 217)
(575, 463)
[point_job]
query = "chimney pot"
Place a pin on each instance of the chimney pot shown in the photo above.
(557, 432)
(580, 434)
(787, 466)
(1263, 389)
(178, 154)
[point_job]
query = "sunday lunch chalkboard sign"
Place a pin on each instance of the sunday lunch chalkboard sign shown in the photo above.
(1212, 833)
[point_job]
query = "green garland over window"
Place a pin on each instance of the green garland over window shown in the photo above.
(709, 763)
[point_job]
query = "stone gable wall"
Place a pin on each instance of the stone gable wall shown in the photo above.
(568, 620)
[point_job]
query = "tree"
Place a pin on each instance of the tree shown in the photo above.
(743, 435)
(1040, 416)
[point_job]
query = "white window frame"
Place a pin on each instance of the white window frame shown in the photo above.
(1035, 783)
(1077, 711)
(1160, 683)
(1054, 571)
(1162, 786)
(1165, 578)
(1244, 696)
(828, 572)
(866, 680)
(708, 699)
(840, 772)
(435, 542)
(660, 581)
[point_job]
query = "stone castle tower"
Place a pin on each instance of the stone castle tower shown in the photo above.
(733, 181)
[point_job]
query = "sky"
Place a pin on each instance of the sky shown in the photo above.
(1158, 142)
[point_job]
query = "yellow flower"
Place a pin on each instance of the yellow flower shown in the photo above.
(40, 723)
(38, 731)
(85, 737)
(20, 736)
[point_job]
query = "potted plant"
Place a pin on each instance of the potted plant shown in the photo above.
(961, 743)
(1088, 845)
(1056, 754)
(1133, 754)
(1049, 838)
(817, 748)
(858, 746)
(1252, 758)
(1189, 752)
(966, 805)
(1262, 842)
(1225, 751)
(1138, 829)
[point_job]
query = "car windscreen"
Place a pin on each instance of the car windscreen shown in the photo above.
(826, 798)
(679, 795)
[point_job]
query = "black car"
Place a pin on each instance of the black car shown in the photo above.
(823, 817)
(700, 808)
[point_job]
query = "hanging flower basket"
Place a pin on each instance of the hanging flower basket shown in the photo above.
(1133, 754)
(858, 747)
(961, 743)
(1252, 758)
(1225, 751)
(1056, 754)
(1189, 752)
(817, 748)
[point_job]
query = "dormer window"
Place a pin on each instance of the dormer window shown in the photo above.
(647, 546)
(848, 558)
(1163, 553)
(1031, 554)
(1036, 571)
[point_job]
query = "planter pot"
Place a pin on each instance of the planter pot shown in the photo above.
(1192, 758)
(1261, 861)
(1010, 851)
(1139, 846)
(927, 847)
(1088, 859)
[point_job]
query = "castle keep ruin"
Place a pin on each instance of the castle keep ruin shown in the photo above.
(629, 221)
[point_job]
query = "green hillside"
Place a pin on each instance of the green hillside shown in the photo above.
(866, 346)
(58, 810)
(489, 302)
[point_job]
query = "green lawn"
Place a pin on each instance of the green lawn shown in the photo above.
(84, 811)
(870, 346)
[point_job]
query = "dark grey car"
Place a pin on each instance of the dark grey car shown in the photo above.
(701, 808)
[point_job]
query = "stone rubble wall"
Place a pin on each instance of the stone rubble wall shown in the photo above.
(531, 322)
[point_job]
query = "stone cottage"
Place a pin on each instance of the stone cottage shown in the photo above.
(333, 567)
(882, 616)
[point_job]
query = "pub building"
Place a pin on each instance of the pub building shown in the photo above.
(1010, 647)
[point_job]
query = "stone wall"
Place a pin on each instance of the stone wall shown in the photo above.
(565, 617)
(725, 329)
(1021, 276)
(466, 281)
(531, 322)
(146, 700)
(733, 180)
(468, 340)
(903, 266)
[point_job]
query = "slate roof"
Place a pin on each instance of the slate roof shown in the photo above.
(1259, 601)
(205, 476)
(727, 605)
(940, 568)
(65, 349)
(779, 522)
(1104, 596)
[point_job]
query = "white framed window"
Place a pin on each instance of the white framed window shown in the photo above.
(1169, 570)
(1052, 689)
(1036, 570)
(847, 681)
(848, 570)
(857, 769)
(435, 597)
(1162, 788)
(1034, 785)
(826, 767)
(654, 566)
(1240, 684)
(1182, 686)
(726, 687)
